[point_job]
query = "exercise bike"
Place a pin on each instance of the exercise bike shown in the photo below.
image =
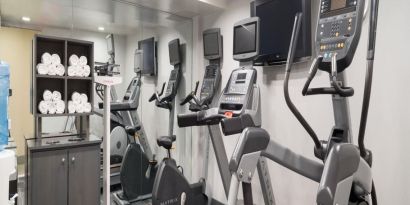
(173, 187)
(345, 175)
(167, 101)
(139, 166)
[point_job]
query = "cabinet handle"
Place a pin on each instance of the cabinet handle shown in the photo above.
(63, 160)
(73, 159)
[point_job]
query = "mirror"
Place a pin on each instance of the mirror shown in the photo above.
(140, 34)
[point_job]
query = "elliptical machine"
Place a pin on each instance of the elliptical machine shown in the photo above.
(138, 167)
(345, 176)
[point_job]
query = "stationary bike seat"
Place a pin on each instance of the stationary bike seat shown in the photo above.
(166, 141)
(131, 130)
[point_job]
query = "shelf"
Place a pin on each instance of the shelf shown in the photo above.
(66, 85)
(64, 114)
(50, 76)
(79, 78)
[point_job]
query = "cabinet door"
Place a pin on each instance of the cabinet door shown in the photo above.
(49, 178)
(84, 176)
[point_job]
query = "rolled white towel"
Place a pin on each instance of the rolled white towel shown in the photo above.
(73, 60)
(42, 69)
(47, 95)
(46, 58)
(87, 71)
(55, 59)
(60, 107)
(83, 98)
(87, 107)
(79, 107)
(56, 96)
(60, 70)
(70, 71)
(80, 71)
(53, 108)
(52, 69)
(83, 61)
(43, 107)
(76, 97)
(71, 107)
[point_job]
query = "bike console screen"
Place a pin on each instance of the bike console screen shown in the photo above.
(338, 31)
(238, 91)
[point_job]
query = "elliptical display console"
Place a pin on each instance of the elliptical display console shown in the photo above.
(338, 32)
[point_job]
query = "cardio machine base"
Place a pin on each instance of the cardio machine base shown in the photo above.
(136, 183)
(171, 187)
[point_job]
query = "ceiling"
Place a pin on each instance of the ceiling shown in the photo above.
(116, 16)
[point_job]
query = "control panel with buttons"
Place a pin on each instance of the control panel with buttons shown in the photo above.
(337, 31)
(239, 88)
(211, 81)
(173, 84)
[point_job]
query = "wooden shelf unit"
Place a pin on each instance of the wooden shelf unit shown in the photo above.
(66, 85)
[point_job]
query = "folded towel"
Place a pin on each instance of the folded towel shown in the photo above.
(46, 58)
(73, 60)
(55, 59)
(83, 61)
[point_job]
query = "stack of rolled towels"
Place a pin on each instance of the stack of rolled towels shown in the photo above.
(79, 103)
(52, 103)
(78, 66)
(50, 65)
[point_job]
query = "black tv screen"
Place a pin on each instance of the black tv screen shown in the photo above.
(211, 44)
(149, 59)
(174, 52)
(244, 38)
(276, 24)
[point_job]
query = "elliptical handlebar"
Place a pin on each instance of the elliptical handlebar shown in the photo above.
(292, 107)
(336, 89)
(374, 9)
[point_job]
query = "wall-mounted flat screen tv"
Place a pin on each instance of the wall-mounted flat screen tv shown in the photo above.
(149, 58)
(276, 23)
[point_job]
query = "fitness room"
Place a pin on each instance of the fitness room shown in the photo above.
(190, 102)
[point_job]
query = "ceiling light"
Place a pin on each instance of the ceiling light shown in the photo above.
(100, 28)
(26, 18)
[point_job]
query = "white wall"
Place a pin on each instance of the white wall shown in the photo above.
(387, 132)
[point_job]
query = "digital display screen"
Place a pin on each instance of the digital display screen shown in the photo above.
(337, 4)
(328, 6)
(211, 44)
(244, 39)
(174, 75)
(174, 52)
(148, 57)
(241, 76)
(110, 43)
